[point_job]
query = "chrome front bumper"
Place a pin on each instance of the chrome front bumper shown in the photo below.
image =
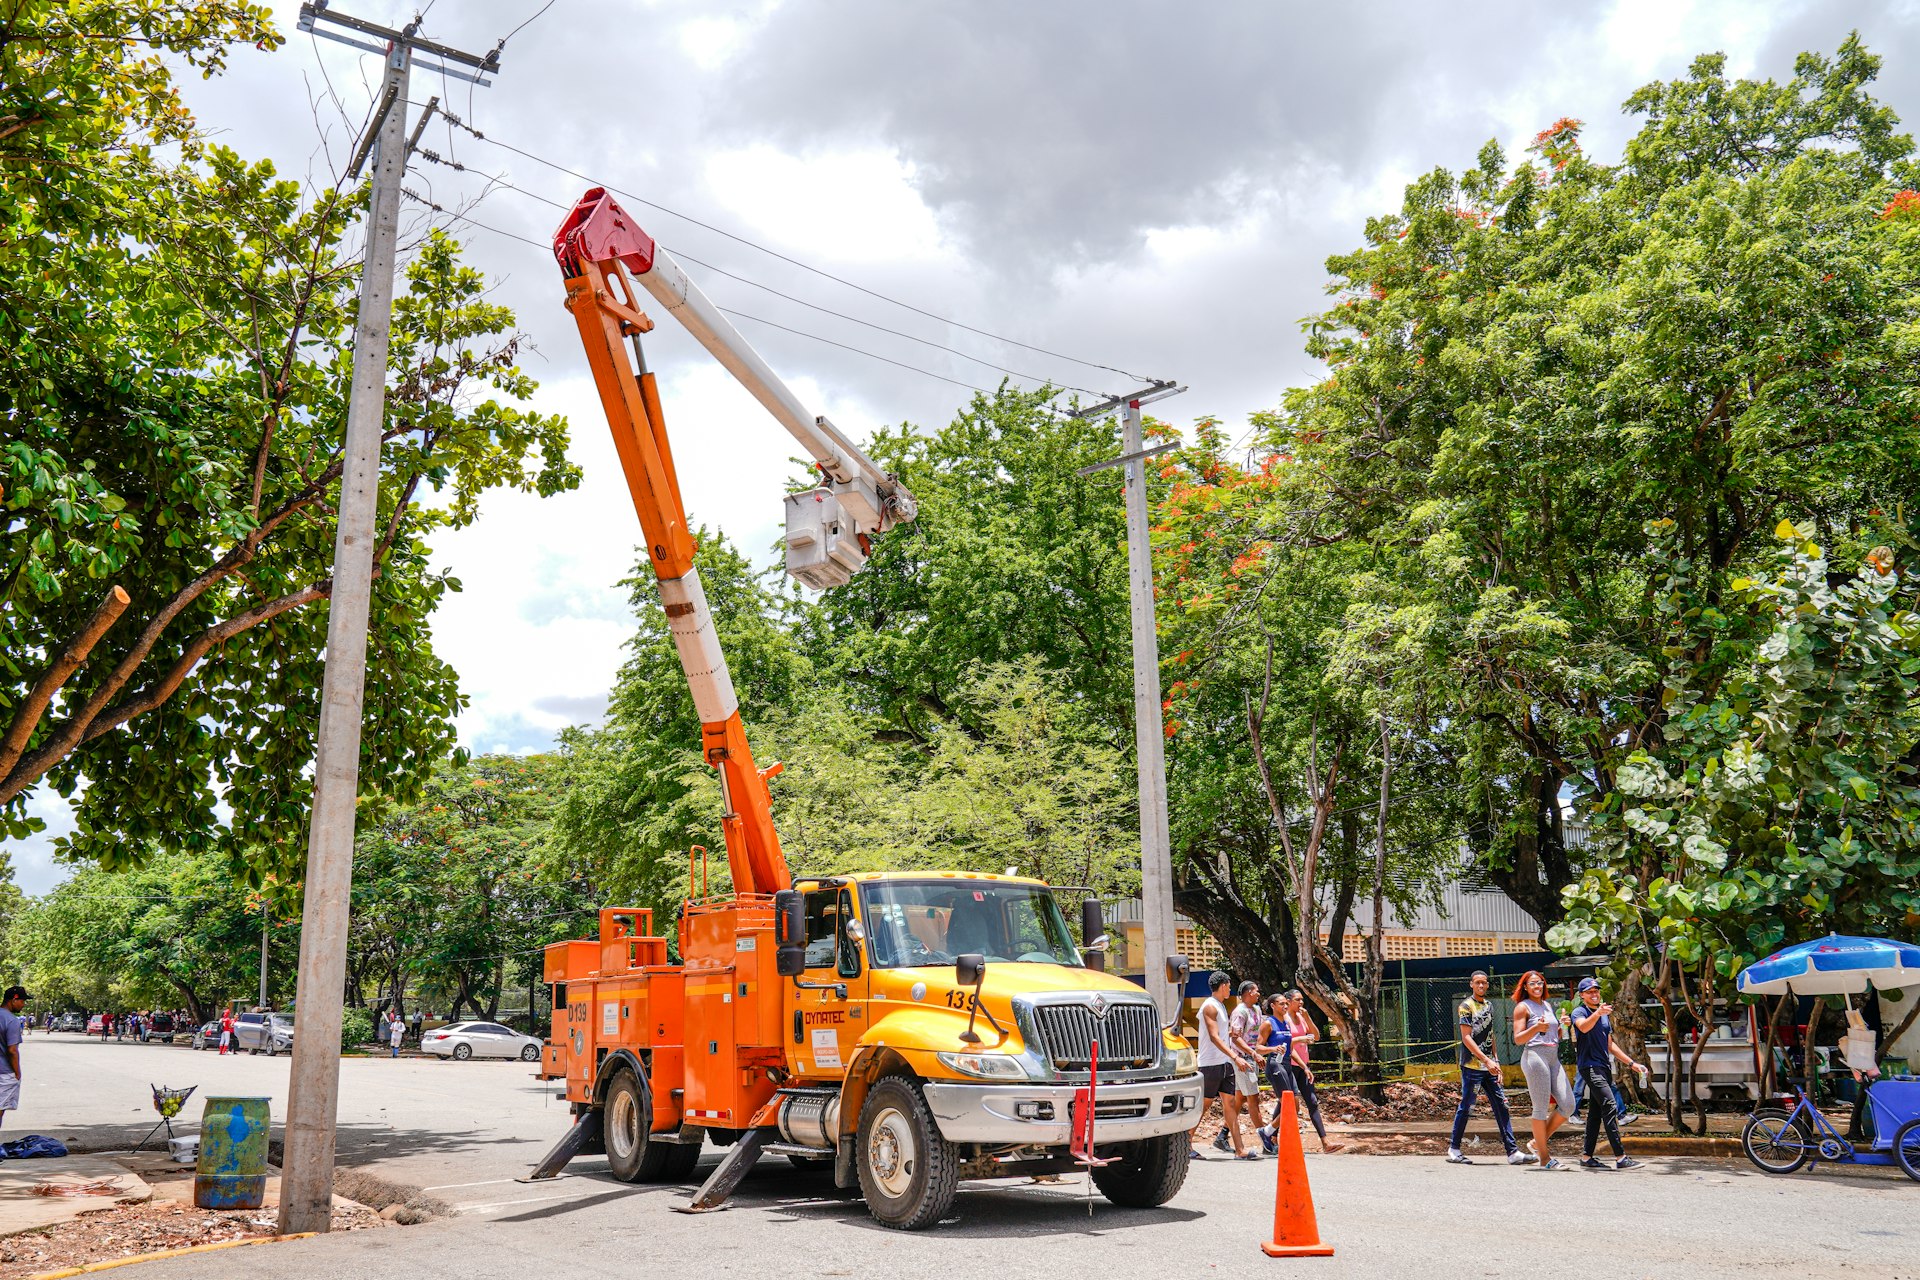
(1039, 1113)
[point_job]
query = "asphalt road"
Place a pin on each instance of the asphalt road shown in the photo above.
(419, 1121)
(466, 1129)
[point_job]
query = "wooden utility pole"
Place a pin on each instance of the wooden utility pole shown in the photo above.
(1156, 859)
(306, 1184)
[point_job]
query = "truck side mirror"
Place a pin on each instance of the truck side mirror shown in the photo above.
(969, 970)
(1178, 968)
(1093, 933)
(789, 933)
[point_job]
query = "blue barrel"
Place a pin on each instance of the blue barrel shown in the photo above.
(232, 1170)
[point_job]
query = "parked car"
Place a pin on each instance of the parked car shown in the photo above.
(463, 1040)
(207, 1035)
(267, 1033)
(70, 1022)
(96, 1024)
(161, 1028)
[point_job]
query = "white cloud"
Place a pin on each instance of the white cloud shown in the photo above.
(857, 206)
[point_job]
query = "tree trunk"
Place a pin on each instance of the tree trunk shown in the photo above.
(1537, 869)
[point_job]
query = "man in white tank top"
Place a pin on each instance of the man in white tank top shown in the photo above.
(1218, 1060)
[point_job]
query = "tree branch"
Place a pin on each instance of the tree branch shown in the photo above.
(70, 660)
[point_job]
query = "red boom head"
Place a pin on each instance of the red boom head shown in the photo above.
(599, 229)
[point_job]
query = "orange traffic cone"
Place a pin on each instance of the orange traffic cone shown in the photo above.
(1295, 1232)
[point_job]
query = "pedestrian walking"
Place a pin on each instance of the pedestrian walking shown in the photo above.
(419, 1020)
(1622, 1113)
(1276, 1051)
(226, 1030)
(1480, 1073)
(1594, 1055)
(1217, 1062)
(1301, 1034)
(1245, 1028)
(396, 1031)
(1536, 1029)
(12, 1030)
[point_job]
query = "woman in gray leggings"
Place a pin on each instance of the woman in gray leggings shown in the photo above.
(1536, 1029)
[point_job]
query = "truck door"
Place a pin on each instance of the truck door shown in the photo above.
(829, 1025)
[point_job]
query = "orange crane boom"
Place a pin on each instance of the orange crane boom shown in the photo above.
(602, 252)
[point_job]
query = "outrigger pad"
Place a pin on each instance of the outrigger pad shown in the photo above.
(585, 1130)
(729, 1174)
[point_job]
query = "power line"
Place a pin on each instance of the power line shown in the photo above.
(792, 261)
(434, 157)
(871, 355)
(523, 26)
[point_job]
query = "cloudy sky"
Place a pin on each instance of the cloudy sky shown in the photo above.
(1150, 187)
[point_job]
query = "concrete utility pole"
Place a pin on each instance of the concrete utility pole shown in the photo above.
(265, 923)
(306, 1185)
(1156, 860)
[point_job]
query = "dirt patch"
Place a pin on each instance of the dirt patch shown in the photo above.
(393, 1201)
(127, 1230)
(1406, 1100)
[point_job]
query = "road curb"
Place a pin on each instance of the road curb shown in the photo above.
(108, 1264)
(1656, 1145)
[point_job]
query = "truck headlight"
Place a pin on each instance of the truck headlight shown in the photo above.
(985, 1066)
(1184, 1061)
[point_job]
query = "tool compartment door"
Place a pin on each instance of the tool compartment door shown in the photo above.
(713, 1079)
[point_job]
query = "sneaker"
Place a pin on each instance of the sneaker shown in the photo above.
(1455, 1157)
(1591, 1163)
(1248, 1155)
(1268, 1143)
(1266, 1131)
(1221, 1142)
(1628, 1118)
(1549, 1164)
(1521, 1157)
(1194, 1153)
(1628, 1162)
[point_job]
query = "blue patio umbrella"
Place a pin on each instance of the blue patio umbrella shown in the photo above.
(1833, 965)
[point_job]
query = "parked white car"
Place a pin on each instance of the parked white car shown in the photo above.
(463, 1040)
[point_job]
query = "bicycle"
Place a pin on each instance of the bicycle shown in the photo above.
(1779, 1140)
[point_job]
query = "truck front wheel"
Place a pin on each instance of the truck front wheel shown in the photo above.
(1148, 1173)
(908, 1172)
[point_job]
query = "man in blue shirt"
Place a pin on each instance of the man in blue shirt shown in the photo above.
(1594, 1055)
(12, 1026)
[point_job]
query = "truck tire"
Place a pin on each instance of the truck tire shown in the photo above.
(669, 1161)
(1148, 1173)
(908, 1172)
(633, 1154)
(627, 1123)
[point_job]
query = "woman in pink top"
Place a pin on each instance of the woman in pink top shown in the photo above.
(1301, 1027)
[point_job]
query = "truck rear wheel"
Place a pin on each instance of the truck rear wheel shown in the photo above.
(908, 1172)
(626, 1124)
(1148, 1173)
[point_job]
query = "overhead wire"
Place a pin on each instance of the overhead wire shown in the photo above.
(790, 260)
(435, 157)
(801, 333)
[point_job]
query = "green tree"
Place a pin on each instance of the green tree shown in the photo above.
(1528, 363)
(453, 894)
(177, 929)
(639, 793)
(1778, 802)
(174, 359)
(1012, 556)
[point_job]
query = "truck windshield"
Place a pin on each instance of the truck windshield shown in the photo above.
(920, 923)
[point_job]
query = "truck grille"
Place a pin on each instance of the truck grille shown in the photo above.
(1128, 1035)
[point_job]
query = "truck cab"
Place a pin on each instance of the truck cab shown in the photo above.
(911, 1028)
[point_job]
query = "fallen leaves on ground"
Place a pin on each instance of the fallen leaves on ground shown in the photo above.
(143, 1228)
